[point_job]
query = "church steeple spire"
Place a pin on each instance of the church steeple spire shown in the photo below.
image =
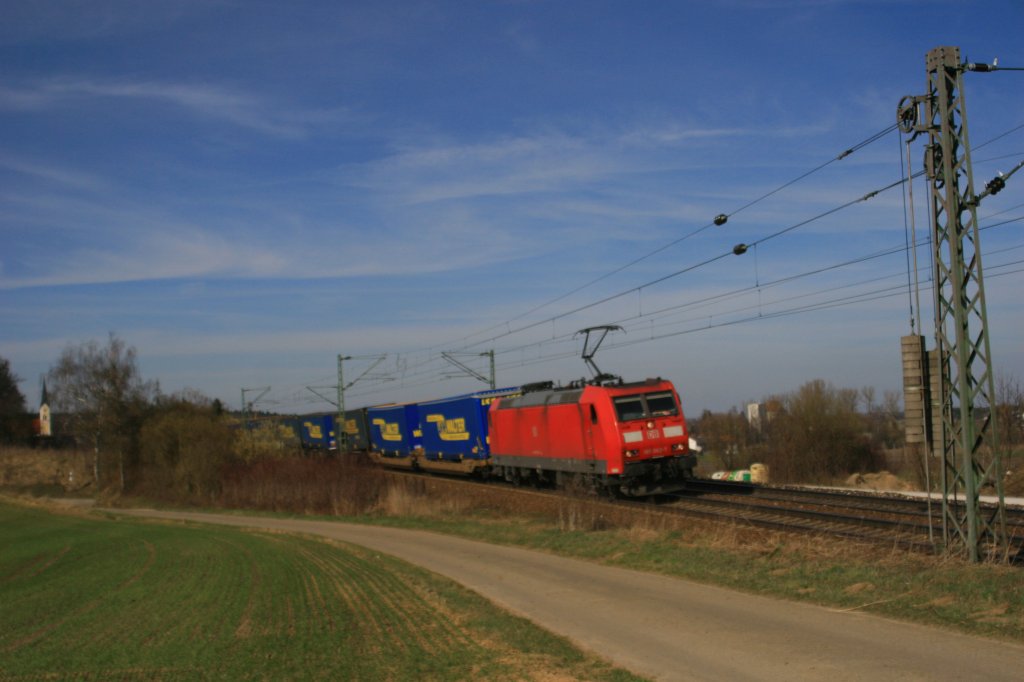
(45, 427)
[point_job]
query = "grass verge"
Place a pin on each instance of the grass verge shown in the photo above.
(986, 599)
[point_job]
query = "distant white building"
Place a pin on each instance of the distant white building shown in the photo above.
(759, 414)
(755, 415)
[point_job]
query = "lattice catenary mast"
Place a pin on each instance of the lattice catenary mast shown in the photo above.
(966, 403)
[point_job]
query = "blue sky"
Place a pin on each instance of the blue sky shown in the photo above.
(245, 190)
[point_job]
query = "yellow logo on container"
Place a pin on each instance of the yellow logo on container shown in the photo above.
(449, 429)
(351, 428)
(314, 430)
(390, 431)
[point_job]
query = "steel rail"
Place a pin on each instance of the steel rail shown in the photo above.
(737, 503)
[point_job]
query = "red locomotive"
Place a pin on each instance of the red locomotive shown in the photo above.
(603, 434)
(625, 438)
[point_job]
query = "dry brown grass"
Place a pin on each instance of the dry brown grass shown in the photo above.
(1014, 483)
(68, 470)
(338, 486)
(576, 517)
(404, 500)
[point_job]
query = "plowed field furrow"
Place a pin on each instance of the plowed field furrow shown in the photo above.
(156, 600)
(417, 624)
(116, 580)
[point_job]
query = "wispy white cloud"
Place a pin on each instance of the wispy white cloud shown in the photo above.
(544, 161)
(58, 20)
(180, 252)
(129, 243)
(69, 178)
(438, 208)
(209, 101)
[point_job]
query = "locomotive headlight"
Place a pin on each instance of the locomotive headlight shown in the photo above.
(679, 446)
(632, 453)
(650, 425)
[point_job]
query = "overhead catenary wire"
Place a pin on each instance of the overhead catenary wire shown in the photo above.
(739, 249)
(891, 292)
(913, 283)
(864, 297)
(886, 292)
(717, 221)
(765, 285)
(414, 375)
(689, 268)
(420, 368)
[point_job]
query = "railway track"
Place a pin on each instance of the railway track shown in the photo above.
(878, 519)
(867, 504)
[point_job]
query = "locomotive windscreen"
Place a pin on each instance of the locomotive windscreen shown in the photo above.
(629, 407)
(662, 404)
(646, 405)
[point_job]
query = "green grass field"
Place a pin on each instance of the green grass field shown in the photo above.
(88, 598)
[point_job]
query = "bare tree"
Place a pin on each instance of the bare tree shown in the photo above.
(1009, 411)
(726, 437)
(101, 389)
(819, 435)
(867, 393)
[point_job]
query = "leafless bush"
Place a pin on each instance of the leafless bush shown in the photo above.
(346, 485)
(184, 448)
(266, 440)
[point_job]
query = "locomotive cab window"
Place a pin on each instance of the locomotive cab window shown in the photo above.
(645, 406)
(629, 407)
(662, 404)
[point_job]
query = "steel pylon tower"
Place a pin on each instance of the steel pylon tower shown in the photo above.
(970, 453)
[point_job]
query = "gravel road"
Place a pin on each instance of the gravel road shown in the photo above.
(670, 629)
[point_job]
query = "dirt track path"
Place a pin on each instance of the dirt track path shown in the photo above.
(671, 629)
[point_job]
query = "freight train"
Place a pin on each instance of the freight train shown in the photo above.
(623, 438)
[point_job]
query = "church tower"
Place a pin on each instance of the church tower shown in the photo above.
(45, 428)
